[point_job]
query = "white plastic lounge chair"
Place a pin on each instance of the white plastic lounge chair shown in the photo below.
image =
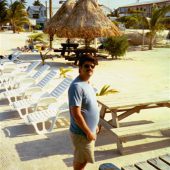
(14, 57)
(42, 100)
(54, 104)
(7, 68)
(44, 121)
(14, 66)
(26, 86)
(12, 84)
(16, 73)
(12, 71)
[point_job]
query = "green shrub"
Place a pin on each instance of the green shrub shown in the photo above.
(38, 27)
(36, 37)
(116, 46)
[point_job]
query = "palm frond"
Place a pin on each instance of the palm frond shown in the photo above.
(36, 37)
(104, 88)
(63, 71)
(105, 91)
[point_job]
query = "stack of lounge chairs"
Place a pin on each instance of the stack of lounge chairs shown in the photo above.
(36, 93)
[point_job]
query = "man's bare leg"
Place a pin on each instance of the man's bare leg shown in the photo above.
(79, 166)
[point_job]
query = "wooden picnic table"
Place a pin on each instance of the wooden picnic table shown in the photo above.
(121, 106)
(68, 47)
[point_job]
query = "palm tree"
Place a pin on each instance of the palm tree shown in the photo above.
(17, 16)
(132, 20)
(36, 3)
(3, 12)
(155, 23)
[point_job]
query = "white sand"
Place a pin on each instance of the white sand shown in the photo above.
(139, 72)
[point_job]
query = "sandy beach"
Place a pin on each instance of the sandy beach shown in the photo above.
(138, 72)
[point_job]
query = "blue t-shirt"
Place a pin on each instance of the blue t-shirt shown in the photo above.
(82, 94)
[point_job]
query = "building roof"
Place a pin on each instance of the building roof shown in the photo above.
(144, 3)
(36, 8)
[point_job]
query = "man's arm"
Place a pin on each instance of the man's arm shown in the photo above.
(76, 113)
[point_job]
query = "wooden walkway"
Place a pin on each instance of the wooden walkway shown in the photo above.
(158, 163)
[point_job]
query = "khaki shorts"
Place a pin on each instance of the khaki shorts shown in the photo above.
(83, 149)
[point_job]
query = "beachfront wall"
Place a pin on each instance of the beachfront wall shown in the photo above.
(143, 6)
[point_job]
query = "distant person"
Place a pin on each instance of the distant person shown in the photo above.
(84, 114)
(168, 36)
(31, 47)
(101, 47)
(10, 57)
(1, 56)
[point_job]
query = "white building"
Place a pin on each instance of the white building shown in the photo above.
(143, 6)
(39, 13)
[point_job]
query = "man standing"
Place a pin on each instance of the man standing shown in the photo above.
(84, 113)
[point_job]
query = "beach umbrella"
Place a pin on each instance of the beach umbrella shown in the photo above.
(87, 21)
(59, 18)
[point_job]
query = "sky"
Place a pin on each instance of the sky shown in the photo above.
(112, 4)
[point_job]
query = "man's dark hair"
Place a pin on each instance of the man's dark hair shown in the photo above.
(87, 57)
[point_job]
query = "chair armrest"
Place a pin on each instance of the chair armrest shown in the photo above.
(20, 74)
(25, 83)
(8, 70)
(46, 101)
(28, 81)
(32, 90)
(60, 109)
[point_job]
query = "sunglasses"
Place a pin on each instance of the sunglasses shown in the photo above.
(87, 66)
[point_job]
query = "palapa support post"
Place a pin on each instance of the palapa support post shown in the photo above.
(87, 43)
(50, 13)
(51, 41)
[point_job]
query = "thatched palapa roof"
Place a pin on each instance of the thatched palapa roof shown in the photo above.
(88, 21)
(60, 16)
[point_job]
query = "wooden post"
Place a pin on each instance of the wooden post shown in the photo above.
(46, 10)
(95, 43)
(50, 14)
(50, 8)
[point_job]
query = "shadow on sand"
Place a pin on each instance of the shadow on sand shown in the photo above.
(54, 144)
(59, 143)
(9, 115)
(53, 63)
(20, 130)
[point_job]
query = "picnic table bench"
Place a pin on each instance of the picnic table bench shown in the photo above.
(158, 163)
(78, 53)
(122, 106)
(123, 133)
